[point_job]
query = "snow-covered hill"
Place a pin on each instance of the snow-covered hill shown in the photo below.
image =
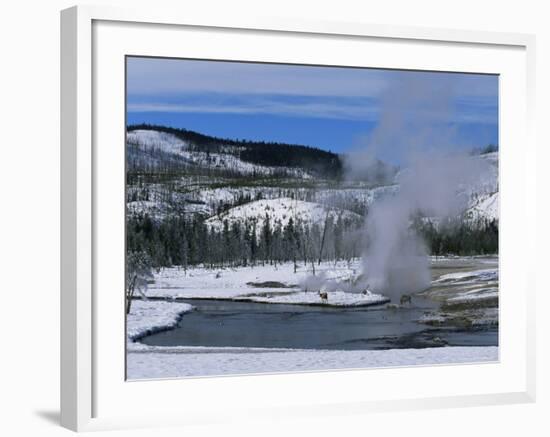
(484, 196)
(208, 193)
(279, 210)
(485, 207)
(150, 142)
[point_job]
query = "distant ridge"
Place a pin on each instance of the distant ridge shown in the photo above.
(274, 154)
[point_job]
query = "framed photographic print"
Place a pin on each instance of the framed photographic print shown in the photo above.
(257, 208)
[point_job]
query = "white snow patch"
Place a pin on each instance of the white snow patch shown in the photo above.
(470, 276)
(474, 295)
(484, 207)
(334, 298)
(279, 210)
(148, 316)
(243, 283)
(190, 362)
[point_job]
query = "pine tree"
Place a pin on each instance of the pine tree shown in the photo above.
(266, 238)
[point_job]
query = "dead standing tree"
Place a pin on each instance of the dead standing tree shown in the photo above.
(323, 237)
(138, 272)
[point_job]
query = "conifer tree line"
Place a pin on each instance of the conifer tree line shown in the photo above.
(457, 237)
(187, 240)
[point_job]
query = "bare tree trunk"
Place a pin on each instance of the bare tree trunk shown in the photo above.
(323, 238)
(130, 294)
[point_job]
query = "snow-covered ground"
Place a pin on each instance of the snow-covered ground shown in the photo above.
(468, 277)
(268, 283)
(147, 317)
(468, 297)
(478, 294)
(337, 298)
(173, 363)
(199, 195)
(279, 210)
(475, 285)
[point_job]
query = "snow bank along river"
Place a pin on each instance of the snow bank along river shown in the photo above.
(204, 322)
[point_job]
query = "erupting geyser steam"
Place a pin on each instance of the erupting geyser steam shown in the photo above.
(395, 260)
(433, 183)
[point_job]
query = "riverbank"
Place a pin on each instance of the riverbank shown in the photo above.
(148, 317)
(467, 292)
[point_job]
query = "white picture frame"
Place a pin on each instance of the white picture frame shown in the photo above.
(94, 394)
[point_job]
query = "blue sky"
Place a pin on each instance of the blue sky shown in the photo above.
(334, 108)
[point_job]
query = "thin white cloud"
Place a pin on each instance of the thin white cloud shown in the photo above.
(311, 109)
(333, 110)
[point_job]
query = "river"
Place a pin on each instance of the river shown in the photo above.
(217, 323)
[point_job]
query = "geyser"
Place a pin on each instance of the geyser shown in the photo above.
(434, 182)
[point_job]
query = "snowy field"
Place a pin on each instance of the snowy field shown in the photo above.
(474, 285)
(173, 363)
(267, 284)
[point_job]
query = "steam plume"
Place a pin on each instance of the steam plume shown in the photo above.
(433, 183)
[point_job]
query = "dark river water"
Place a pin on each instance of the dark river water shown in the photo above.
(246, 324)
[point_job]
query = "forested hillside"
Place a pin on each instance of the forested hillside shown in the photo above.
(312, 160)
(195, 199)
